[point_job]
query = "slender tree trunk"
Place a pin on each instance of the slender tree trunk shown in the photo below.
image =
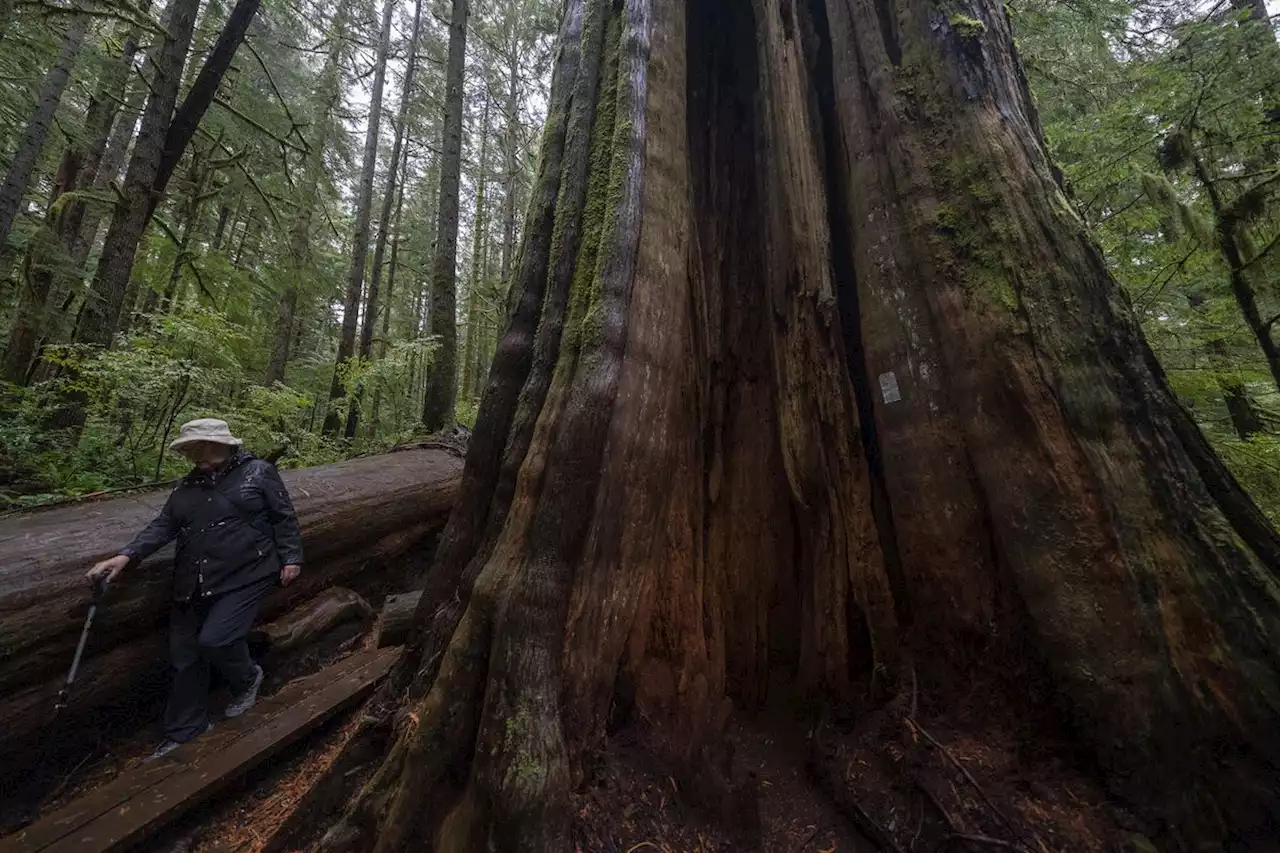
(201, 95)
(1241, 288)
(396, 236)
(811, 366)
(479, 242)
(327, 94)
(223, 213)
(360, 237)
(6, 16)
(384, 219)
(1240, 408)
(37, 128)
(81, 222)
(101, 314)
(442, 385)
(168, 300)
(510, 147)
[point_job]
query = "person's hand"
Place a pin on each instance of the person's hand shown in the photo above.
(289, 574)
(107, 570)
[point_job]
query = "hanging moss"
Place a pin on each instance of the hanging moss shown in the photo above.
(1175, 151)
(966, 27)
(596, 213)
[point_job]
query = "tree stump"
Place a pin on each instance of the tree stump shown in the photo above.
(396, 621)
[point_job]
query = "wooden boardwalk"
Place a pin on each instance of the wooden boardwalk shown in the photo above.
(143, 799)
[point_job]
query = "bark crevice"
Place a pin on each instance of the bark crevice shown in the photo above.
(845, 275)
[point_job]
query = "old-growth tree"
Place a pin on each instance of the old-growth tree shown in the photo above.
(812, 369)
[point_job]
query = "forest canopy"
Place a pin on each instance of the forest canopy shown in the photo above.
(1162, 116)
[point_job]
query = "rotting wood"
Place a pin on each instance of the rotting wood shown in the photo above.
(396, 622)
(141, 801)
(312, 619)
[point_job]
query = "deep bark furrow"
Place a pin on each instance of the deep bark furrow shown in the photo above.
(847, 298)
(842, 380)
(463, 547)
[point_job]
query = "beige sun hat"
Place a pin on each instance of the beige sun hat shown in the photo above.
(205, 429)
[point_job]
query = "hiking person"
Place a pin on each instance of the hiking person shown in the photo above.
(237, 536)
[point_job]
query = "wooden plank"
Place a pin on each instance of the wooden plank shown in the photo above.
(141, 800)
(133, 782)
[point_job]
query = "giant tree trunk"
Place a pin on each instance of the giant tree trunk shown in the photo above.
(811, 366)
(442, 380)
(360, 239)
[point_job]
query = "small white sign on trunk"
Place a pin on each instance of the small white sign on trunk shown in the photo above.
(889, 388)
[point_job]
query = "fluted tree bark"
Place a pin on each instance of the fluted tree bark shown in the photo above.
(813, 370)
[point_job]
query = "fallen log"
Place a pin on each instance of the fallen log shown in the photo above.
(298, 642)
(307, 623)
(352, 513)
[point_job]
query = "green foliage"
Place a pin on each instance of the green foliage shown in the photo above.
(1163, 117)
(134, 396)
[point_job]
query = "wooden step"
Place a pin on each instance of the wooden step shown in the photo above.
(143, 799)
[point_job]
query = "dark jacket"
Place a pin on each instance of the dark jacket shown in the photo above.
(235, 526)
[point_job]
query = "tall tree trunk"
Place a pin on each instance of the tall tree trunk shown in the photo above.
(394, 179)
(37, 128)
(1240, 408)
(510, 147)
(82, 221)
(327, 94)
(190, 217)
(201, 94)
(224, 212)
(360, 238)
(101, 314)
(442, 385)
(479, 242)
(396, 236)
(811, 366)
(6, 17)
(1241, 288)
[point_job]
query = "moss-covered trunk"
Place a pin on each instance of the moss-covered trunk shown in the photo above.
(812, 370)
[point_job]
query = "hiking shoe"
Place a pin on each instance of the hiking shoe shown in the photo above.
(243, 702)
(167, 746)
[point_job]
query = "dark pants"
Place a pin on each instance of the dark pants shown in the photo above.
(203, 633)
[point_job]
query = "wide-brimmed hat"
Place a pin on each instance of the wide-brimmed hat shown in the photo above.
(205, 429)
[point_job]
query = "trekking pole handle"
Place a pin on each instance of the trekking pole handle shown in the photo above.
(99, 589)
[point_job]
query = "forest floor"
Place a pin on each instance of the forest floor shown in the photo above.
(910, 779)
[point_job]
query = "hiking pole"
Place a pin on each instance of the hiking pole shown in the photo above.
(99, 590)
(26, 806)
